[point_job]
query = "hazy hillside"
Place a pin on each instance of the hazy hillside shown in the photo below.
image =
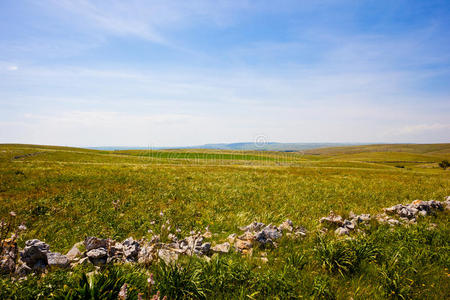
(411, 148)
(237, 146)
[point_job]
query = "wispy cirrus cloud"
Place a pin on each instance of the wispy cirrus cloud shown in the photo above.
(193, 72)
(150, 20)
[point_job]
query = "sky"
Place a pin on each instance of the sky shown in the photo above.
(174, 73)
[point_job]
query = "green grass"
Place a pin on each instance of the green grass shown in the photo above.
(64, 194)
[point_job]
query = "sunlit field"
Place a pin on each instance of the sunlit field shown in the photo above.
(63, 195)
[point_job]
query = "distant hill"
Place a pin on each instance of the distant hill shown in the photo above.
(240, 146)
(408, 148)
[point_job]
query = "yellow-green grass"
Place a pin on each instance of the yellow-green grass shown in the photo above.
(64, 194)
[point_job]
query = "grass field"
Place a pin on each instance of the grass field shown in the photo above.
(63, 194)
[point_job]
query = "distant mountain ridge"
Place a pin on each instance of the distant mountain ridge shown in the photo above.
(270, 146)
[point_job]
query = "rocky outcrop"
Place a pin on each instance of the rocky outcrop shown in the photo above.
(263, 236)
(34, 255)
(57, 260)
(74, 253)
(95, 243)
(97, 256)
(394, 215)
(221, 248)
(415, 209)
(37, 257)
(332, 220)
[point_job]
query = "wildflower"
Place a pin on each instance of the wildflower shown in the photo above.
(12, 214)
(150, 280)
(161, 214)
(22, 227)
(150, 231)
(123, 292)
(178, 230)
(152, 222)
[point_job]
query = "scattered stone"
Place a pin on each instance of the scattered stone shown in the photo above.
(242, 245)
(232, 238)
(247, 236)
(130, 249)
(384, 219)
(255, 226)
(286, 226)
(57, 260)
(332, 220)
(115, 252)
(147, 254)
(94, 243)
(203, 249)
(167, 255)
(207, 235)
(410, 211)
(357, 219)
(268, 235)
(342, 231)
(221, 248)
(75, 252)
(348, 225)
(155, 239)
(97, 256)
(172, 237)
(35, 254)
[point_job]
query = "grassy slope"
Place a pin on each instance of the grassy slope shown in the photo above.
(61, 187)
(64, 194)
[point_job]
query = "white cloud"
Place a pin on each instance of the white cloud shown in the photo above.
(13, 68)
(150, 20)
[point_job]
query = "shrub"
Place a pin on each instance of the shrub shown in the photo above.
(335, 256)
(104, 285)
(444, 164)
(345, 256)
(179, 282)
(322, 289)
(393, 285)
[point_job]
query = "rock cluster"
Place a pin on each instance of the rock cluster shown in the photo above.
(263, 236)
(345, 226)
(395, 215)
(417, 208)
(37, 257)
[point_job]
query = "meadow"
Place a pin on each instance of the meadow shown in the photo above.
(64, 194)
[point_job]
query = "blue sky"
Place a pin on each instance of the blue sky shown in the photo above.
(168, 73)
